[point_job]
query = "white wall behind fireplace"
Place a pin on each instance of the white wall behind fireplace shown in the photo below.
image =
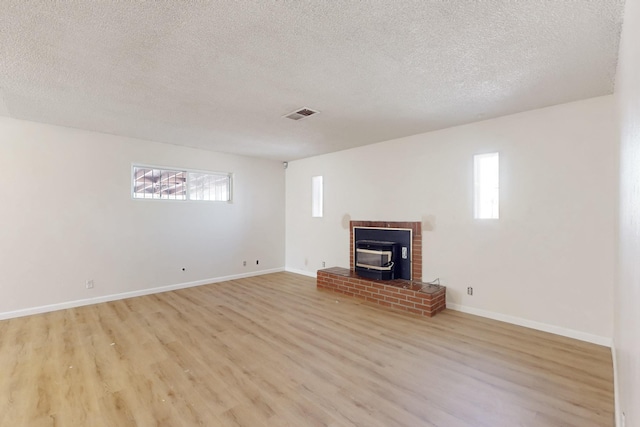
(66, 216)
(548, 261)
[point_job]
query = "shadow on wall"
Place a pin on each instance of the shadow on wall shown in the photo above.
(346, 220)
(428, 222)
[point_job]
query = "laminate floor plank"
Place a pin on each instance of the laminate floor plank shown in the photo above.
(273, 350)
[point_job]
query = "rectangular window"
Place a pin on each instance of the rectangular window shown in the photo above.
(151, 183)
(209, 186)
(316, 196)
(180, 184)
(486, 177)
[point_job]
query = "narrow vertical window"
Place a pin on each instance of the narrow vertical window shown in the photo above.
(486, 176)
(316, 196)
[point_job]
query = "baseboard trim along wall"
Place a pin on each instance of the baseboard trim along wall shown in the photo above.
(313, 274)
(565, 332)
(616, 385)
(125, 295)
(570, 333)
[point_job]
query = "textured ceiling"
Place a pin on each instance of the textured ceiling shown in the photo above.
(220, 75)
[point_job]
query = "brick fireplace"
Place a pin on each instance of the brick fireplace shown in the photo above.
(407, 295)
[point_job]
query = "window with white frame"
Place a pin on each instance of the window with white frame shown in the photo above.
(209, 186)
(151, 182)
(486, 177)
(316, 196)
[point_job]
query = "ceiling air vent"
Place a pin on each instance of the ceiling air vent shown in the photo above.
(300, 114)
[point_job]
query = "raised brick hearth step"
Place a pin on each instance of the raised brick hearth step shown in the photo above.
(414, 297)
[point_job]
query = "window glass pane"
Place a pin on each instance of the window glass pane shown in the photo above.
(151, 183)
(209, 186)
(316, 196)
(486, 171)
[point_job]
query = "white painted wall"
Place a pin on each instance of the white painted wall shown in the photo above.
(66, 215)
(549, 261)
(627, 291)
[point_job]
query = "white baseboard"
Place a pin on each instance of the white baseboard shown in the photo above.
(595, 339)
(616, 385)
(113, 297)
(313, 274)
(565, 332)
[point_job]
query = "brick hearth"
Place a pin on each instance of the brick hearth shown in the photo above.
(407, 295)
(414, 297)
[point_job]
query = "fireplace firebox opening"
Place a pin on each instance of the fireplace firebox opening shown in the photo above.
(376, 259)
(382, 253)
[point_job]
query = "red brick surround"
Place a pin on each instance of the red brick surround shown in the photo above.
(416, 244)
(411, 296)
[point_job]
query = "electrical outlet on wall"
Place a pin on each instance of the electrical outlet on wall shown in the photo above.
(89, 284)
(469, 290)
(323, 263)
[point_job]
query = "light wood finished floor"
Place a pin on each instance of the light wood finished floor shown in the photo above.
(274, 351)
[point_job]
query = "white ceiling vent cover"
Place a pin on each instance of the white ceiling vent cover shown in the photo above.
(300, 114)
